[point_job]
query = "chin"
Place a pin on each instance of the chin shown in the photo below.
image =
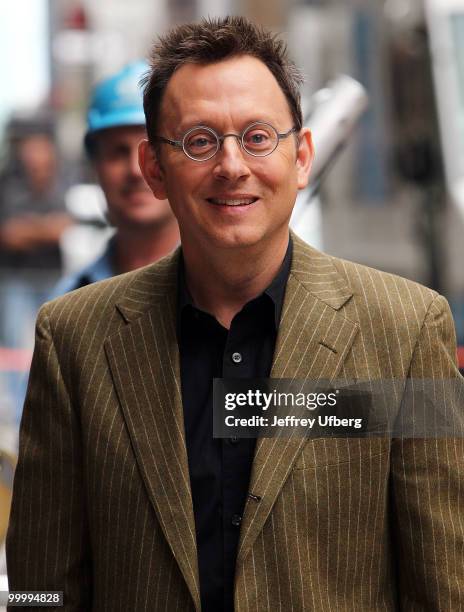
(140, 199)
(238, 238)
(145, 221)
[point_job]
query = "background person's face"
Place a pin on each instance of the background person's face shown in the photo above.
(130, 201)
(37, 155)
(228, 96)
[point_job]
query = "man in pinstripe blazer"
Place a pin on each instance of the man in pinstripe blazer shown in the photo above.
(102, 504)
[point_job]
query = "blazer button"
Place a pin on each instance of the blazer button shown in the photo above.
(237, 357)
(236, 520)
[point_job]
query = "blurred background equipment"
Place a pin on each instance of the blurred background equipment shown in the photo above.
(445, 22)
(334, 113)
(86, 239)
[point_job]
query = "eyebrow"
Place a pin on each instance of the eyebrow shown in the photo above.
(187, 125)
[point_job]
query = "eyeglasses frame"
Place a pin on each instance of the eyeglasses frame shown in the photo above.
(180, 144)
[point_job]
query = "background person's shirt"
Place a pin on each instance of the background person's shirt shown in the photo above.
(98, 270)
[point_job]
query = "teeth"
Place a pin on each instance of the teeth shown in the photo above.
(239, 202)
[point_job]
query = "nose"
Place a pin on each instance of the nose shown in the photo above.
(230, 160)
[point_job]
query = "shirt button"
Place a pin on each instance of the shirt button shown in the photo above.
(236, 520)
(236, 357)
(233, 440)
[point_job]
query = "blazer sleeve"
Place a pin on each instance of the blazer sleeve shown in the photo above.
(47, 541)
(428, 479)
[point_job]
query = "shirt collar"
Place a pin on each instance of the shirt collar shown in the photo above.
(275, 291)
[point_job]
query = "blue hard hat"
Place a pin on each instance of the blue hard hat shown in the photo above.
(117, 100)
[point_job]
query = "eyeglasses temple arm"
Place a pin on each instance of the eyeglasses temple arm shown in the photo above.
(286, 134)
(174, 143)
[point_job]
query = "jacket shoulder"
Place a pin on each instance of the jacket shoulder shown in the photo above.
(367, 281)
(113, 299)
(391, 307)
(366, 292)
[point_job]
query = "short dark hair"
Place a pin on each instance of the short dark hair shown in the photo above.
(210, 41)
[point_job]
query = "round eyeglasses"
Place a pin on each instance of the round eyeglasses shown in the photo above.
(201, 143)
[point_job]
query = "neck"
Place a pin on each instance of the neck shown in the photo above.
(135, 248)
(223, 281)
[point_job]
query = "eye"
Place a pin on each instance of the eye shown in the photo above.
(199, 141)
(256, 137)
(260, 139)
(114, 153)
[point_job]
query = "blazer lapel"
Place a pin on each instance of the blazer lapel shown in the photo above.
(313, 341)
(144, 362)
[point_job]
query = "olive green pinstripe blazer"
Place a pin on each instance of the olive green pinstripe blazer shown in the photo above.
(102, 506)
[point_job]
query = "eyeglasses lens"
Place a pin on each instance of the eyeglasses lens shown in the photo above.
(201, 143)
(260, 139)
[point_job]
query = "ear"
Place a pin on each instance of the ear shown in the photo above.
(151, 170)
(305, 156)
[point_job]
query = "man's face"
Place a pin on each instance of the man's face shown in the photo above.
(228, 96)
(130, 201)
(37, 154)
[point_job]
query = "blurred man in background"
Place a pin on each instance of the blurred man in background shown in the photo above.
(32, 203)
(146, 229)
(32, 220)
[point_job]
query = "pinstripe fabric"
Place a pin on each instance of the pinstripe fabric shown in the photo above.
(102, 506)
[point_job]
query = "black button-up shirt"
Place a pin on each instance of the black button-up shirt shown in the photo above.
(220, 469)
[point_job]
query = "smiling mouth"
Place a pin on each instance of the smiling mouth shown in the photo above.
(232, 201)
